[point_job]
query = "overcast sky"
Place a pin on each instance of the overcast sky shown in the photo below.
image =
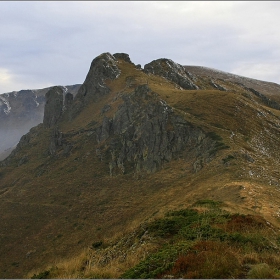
(53, 43)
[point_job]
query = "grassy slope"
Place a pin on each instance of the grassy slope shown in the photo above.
(53, 208)
(201, 241)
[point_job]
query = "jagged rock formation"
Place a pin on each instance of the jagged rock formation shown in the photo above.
(145, 133)
(172, 71)
(102, 67)
(69, 97)
(123, 56)
(58, 142)
(53, 106)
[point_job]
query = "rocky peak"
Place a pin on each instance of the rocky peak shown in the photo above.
(53, 106)
(102, 67)
(172, 71)
(94, 87)
(123, 56)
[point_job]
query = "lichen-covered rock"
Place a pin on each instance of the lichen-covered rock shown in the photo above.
(145, 133)
(172, 71)
(53, 106)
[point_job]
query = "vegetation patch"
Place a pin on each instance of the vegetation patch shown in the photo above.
(205, 244)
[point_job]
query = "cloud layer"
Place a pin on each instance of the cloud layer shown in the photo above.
(52, 42)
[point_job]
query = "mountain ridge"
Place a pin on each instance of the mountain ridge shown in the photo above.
(132, 145)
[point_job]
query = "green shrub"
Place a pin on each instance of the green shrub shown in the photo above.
(194, 244)
(164, 227)
(157, 263)
(204, 232)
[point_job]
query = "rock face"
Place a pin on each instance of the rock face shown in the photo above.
(102, 67)
(53, 106)
(22, 110)
(145, 133)
(69, 97)
(122, 56)
(56, 141)
(266, 100)
(172, 71)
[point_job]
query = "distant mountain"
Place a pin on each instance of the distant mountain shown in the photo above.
(19, 111)
(165, 171)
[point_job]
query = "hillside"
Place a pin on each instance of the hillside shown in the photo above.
(131, 146)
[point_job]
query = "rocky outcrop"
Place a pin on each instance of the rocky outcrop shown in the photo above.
(58, 143)
(145, 133)
(172, 71)
(266, 100)
(68, 101)
(102, 67)
(94, 87)
(53, 106)
(123, 56)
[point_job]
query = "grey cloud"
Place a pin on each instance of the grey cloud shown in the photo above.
(48, 43)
